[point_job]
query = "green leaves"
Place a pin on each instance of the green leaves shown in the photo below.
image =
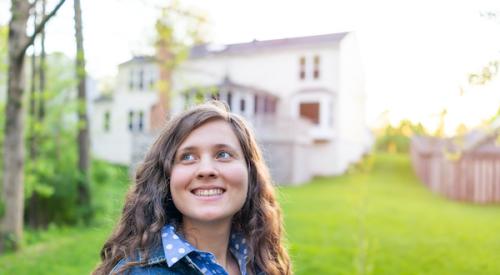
(486, 74)
(3, 44)
(397, 138)
(52, 173)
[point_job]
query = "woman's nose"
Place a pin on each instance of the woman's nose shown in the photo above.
(207, 169)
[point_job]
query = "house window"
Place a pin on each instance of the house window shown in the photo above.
(131, 120)
(151, 83)
(229, 99)
(316, 73)
(269, 105)
(215, 95)
(310, 111)
(242, 105)
(302, 66)
(273, 106)
(141, 80)
(107, 121)
(141, 121)
(256, 104)
(186, 99)
(131, 80)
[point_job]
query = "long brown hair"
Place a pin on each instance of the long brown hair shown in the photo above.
(149, 206)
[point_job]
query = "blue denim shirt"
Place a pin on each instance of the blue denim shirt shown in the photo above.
(177, 256)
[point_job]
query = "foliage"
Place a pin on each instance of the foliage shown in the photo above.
(2, 126)
(493, 118)
(397, 138)
(490, 70)
(3, 49)
(380, 222)
(487, 73)
(177, 30)
(3, 88)
(365, 164)
(3, 83)
(79, 246)
(180, 28)
(53, 174)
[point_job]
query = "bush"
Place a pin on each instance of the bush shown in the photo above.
(397, 139)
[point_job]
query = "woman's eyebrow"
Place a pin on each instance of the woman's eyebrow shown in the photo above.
(223, 145)
(217, 146)
(187, 148)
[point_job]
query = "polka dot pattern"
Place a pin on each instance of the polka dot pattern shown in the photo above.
(176, 248)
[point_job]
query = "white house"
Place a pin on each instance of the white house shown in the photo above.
(117, 117)
(304, 97)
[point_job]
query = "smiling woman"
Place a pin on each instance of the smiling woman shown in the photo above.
(209, 179)
(202, 203)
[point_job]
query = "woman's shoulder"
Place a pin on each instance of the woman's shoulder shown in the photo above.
(159, 268)
(155, 263)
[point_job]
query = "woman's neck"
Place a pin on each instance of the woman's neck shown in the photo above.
(210, 237)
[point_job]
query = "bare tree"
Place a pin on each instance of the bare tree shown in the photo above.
(83, 123)
(11, 223)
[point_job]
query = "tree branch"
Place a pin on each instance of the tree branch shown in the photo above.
(33, 4)
(40, 27)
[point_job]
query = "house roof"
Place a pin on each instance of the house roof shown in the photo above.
(227, 83)
(104, 98)
(139, 59)
(249, 47)
(255, 45)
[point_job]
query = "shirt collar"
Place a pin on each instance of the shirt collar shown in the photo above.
(176, 247)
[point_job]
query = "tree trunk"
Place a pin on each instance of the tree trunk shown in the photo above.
(32, 120)
(37, 113)
(43, 67)
(11, 223)
(83, 124)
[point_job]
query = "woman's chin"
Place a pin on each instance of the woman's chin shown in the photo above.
(210, 217)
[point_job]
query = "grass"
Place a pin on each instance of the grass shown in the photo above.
(71, 250)
(379, 222)
(386, 222)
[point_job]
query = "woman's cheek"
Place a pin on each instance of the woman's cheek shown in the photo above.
(180, 176)
(236, 174)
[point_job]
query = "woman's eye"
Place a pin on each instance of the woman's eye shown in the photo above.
(187, 157)
(223, 155)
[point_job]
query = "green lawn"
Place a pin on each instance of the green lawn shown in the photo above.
(378, 222)
(387, 222)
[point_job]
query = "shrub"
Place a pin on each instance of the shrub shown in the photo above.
(394, 139)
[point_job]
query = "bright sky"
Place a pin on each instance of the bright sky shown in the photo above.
(417, 53)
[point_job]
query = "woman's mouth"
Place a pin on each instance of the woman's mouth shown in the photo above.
(208, 192)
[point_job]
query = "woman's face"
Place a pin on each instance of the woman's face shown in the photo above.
(209, 178)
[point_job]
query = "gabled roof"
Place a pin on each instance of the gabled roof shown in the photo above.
(139, 59)
(250, 47)
(227, 83)
(104, 98)
(255, 45)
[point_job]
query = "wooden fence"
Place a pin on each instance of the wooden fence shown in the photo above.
(472, 175)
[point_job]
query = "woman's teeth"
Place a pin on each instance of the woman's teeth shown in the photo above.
(208, 192)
